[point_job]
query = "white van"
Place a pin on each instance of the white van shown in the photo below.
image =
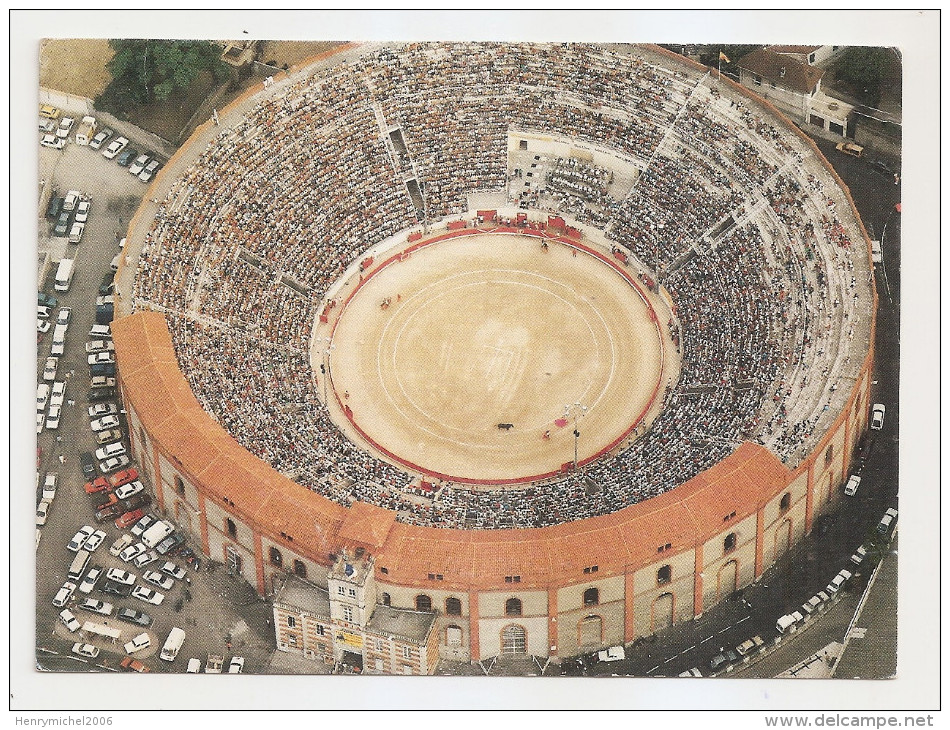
(156, 533)
(64, 274)
(87, 128)
(176, 637)
(110, 450)
(99, 331)
(78, 566)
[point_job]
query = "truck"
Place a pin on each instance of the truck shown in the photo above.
(214, 664)
(59, 340)
(64, 274)
(86, 131)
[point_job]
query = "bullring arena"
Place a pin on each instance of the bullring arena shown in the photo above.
(537, 348)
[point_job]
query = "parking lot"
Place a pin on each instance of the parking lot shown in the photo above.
(219, 613)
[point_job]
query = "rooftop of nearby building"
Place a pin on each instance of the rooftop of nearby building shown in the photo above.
(793, 49)
(304, 595)
(784, 70)
(413, 626)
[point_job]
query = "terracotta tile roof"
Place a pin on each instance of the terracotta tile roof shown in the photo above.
(799, 77)
(366, 524)
(804, 50)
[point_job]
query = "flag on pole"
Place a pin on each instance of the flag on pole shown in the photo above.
(723, 57)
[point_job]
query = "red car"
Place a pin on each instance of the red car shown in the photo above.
(125, 476)
(97, 485)
(107, 513)
(108, 503)
(133, 665)
(129, 519)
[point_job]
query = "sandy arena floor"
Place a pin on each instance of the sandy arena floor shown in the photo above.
(488, 330)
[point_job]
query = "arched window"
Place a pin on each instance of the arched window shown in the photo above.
(786, 501)
(591, 597)
(179, 485)
(664, 574)
(729, 543)
(232, 528)
(453, 607)
(423, 602)
(513, 607)
(276, 558)
(300, 569)
(386, 599)
(590, 631)
(513, 640)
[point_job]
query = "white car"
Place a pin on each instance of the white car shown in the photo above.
(149, 171)
(144, 559)
(49, 369)
(79, 539)
(139, 164)
(53, 142)
(114, 464)
(40, 420)
(236, 665)
(115, 147)
(42, 512)
(42, 396)
(101, 381)
(100, 346)
(69, 620)
(96, 606)
(877, 256)
(49, 487)
(121, 576)
(175, 571)
(877, 417)
(129, 490)
(65, 125)
(132, 552)
(63, 316)
(58, 393)
(43, 312)
(148, 595)
(90, 579)
(64, 594)
(42, 325)
(110, 450)
(94, 541)
(142, 641)
(71, 200)
(159, 580)
(82, 211)
(102, 409)
(859, 555)
(104, 423)
(613, 654)
(101, 357)
(75, 233)
(52, 418)
(86, 650)
(852, 487)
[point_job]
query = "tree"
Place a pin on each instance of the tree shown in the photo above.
(864, 69)
(144, 71)
(709, 56)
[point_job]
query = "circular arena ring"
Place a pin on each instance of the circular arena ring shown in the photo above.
(345, 304)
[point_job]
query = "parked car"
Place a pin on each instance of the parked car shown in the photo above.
(64, 594)
(96, 486)
(69, 620)
(105, 437)
(877, 417)
(158, 579)
(236, 665)
(61, 229)
(48, 111)
(88, 465)
(97, 395)
(129, 518)
(859, 555)
(109, 512)
(91, 578)
(101, 424)
(99, 358)
(852, 486)
(97, 606)
(71, 200)
(171, 569)
(87, 650)
(99, 346)
(101, 137)
(613, 654)
(125, 159)
(133, 665)
(103, 409)
(57, 393)
(46, 300)
(79, 539)
(137, 643)
(148, 595)
(139, 164)
(42, 326)
(75, 233)
(42, 512)
(65, 127)
(130, 553)
(723, 659)
(53, 142)
(94, 541)
(167, 545)
(101, 382)
(110, 450)
(145, 558)
(43, 312)
(114, 463)
(113, 588)
(849, 148)
(750, 644)
(115, 147)
(106, 369)
(54, 208)
(136, 502)
(126, 476)
(129, 490)
(121, 576)
(49, 486)
(877, 255)
(150, 169)
(82, 211)
(135, 617)
(120, 544)
(143, 524)
(52, 418)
